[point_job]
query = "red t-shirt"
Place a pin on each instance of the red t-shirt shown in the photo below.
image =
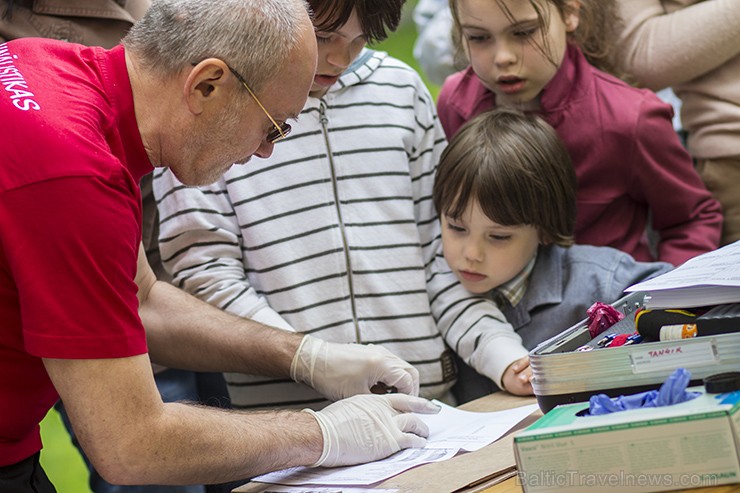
(70, 222)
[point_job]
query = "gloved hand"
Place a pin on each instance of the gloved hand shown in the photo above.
(365, 428)
(343, 370)
(673, 391)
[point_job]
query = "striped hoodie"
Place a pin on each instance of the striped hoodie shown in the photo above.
(334, 235)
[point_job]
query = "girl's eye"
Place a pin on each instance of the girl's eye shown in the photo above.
(500, 237)
(322, 38)
(476, 38)
(525, 33)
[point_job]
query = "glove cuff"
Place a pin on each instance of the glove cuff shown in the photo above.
(324, 434)
(299, 368)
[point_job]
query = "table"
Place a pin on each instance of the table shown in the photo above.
(491, 469)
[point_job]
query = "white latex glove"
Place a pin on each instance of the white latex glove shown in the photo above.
(343, 370)
(365, 428)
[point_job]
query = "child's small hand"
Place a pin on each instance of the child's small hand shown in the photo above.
(518, 377)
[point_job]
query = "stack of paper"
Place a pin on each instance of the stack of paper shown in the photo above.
(709, 279)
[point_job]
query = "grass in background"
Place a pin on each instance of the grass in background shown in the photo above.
(400, 44)
(61, 461)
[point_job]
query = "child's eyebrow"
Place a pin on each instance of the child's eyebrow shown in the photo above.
(472, 26)
(524, 23)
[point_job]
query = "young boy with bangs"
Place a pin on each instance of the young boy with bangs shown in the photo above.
(505, 191)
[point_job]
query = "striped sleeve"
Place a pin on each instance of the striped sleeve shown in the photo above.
(200, 243)
(472, 326)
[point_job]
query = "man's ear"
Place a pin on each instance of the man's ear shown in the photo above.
(207, 81)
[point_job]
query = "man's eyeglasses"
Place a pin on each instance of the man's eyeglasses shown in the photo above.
(280, 131)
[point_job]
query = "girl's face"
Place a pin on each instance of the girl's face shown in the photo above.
(482, 254)
(337, 50)
(507, 54)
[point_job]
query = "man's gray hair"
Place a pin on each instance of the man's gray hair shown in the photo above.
(253, 36)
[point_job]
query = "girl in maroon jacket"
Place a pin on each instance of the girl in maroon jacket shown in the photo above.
(633, 173)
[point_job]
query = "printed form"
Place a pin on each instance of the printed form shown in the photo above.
(450, 431)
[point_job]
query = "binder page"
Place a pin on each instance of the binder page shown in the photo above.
(709, 279)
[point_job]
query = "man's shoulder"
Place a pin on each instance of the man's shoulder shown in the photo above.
(62, 131)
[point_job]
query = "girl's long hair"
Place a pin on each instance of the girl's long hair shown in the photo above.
(597, 32)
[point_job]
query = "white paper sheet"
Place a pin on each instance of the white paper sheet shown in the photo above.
(359, 475)
(465, 430)
(450, 431)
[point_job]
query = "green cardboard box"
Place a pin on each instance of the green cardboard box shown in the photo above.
(689, 445)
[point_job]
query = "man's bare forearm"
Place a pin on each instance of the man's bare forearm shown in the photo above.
(184, 332)
(133, 438)
(211, 445)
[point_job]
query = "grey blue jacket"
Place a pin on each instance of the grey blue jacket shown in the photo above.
(564, 283)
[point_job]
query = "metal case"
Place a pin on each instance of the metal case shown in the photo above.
(563, 374)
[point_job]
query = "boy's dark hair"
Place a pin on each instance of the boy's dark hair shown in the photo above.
(597, 33)
(517, 169)
(377, 17)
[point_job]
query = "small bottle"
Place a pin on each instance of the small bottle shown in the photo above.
(677, 331)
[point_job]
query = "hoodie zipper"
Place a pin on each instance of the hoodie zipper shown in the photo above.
(324, 128)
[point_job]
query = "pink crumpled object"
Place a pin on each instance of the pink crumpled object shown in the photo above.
(602, 316)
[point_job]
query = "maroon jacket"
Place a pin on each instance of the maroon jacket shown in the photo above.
(629, 162)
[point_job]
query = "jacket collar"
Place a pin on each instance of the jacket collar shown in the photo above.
(546, 282)
(471, 97)
(545, 286)
(361, 68)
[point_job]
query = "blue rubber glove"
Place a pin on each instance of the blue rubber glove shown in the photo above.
(673, 391)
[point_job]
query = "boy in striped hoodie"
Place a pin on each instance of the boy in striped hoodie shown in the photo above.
(334, 232)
